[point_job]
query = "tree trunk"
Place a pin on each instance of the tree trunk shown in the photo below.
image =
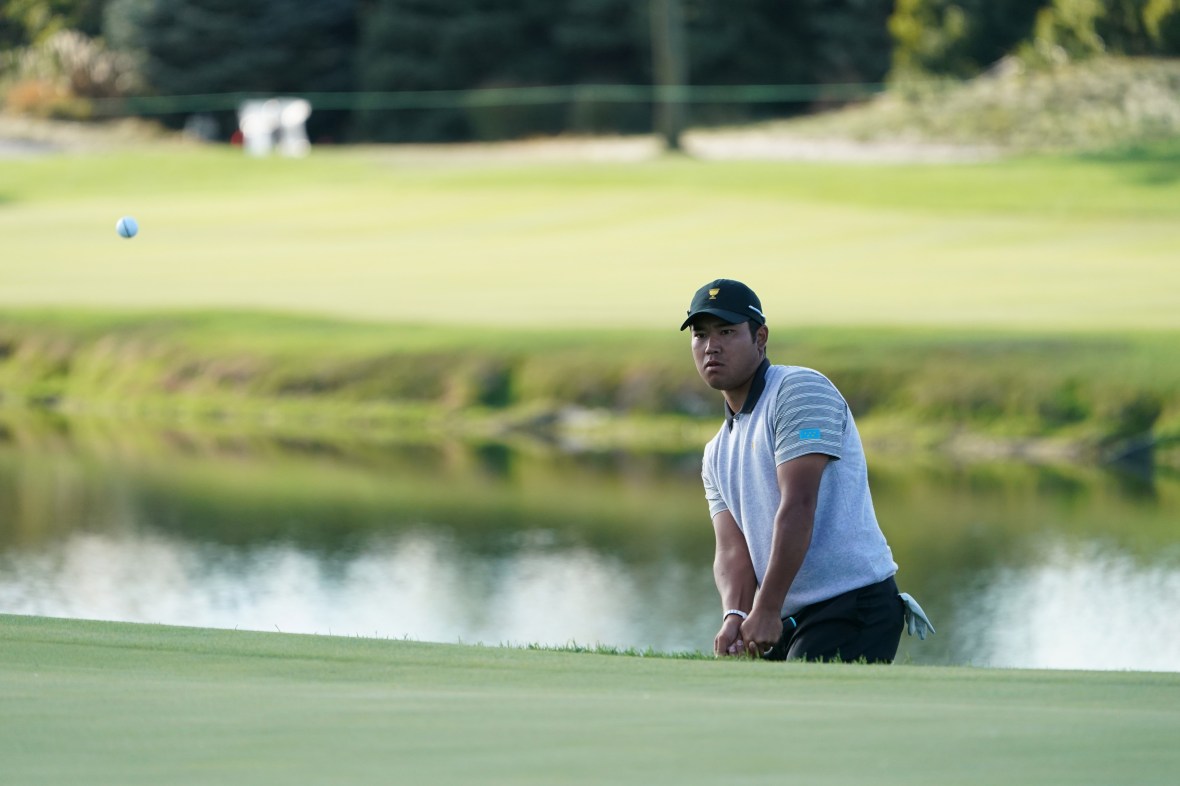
(670, 66)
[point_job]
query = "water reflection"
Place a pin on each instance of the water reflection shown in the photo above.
(1018, 566)
(419, 587)
(1078, 607)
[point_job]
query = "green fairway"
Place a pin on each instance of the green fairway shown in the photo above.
(104, 703)
(1052, 243)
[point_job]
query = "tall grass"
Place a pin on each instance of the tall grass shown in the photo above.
(1090, 394)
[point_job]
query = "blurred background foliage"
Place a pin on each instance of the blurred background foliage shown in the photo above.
(61, 58)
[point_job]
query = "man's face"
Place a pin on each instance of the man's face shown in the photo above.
(726, 355)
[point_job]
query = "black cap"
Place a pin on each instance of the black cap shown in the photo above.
(730, 300)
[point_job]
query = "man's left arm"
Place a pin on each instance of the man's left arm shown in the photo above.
(798, 483)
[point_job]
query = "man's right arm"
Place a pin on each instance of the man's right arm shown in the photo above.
(736, 582)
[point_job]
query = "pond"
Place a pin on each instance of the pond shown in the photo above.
(1017, 565)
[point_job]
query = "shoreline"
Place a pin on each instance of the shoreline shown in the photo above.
(569, 430)
(971, 396)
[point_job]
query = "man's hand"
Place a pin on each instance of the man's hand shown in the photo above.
(761, 631)
(798, 483)
(728, 640)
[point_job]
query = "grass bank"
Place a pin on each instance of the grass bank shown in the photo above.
(118, 703)
(1066, 396)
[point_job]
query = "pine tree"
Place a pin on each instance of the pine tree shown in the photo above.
(269, 47)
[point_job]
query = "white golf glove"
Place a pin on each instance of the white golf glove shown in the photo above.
(915, 619)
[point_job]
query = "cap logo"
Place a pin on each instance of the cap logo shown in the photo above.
(713, 293)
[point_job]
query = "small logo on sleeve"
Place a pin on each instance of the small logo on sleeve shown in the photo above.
(810, 434)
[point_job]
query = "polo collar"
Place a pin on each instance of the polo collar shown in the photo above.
(756, 388)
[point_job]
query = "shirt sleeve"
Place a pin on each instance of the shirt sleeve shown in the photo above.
(712, 493)
(810, 417)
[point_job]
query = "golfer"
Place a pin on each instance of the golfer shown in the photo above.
(802, 566)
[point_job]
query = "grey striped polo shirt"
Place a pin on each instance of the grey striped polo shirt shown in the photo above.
(794, 411)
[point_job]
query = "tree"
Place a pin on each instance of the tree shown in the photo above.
(389, 47)
(959, 38)
(188, 47)
(1161, 19)
(767, 42)
(25, 22)
(670, 66)
(605, 42)
(429, 45)
(746, 42)
(211, 46)
(849, 40)
(1082, 28)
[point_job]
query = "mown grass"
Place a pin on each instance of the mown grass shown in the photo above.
(1040, 243)
(116, 703)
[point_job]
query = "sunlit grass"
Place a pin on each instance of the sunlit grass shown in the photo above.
(187, 705)
(1043, 243)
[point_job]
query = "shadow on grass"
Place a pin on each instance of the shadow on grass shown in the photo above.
(1155, 163)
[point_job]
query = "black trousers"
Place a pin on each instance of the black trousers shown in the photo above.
(864, 623)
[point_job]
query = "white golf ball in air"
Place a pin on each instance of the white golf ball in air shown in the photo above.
(127, 227)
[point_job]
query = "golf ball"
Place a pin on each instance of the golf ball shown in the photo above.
(127, 227)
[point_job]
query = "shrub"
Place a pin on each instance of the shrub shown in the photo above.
(59, 76)
(958, 38)
(1077, 29)
(1161, 20)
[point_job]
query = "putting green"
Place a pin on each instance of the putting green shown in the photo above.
(117, 703)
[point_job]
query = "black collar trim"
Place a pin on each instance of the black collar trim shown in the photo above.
(756, 388)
